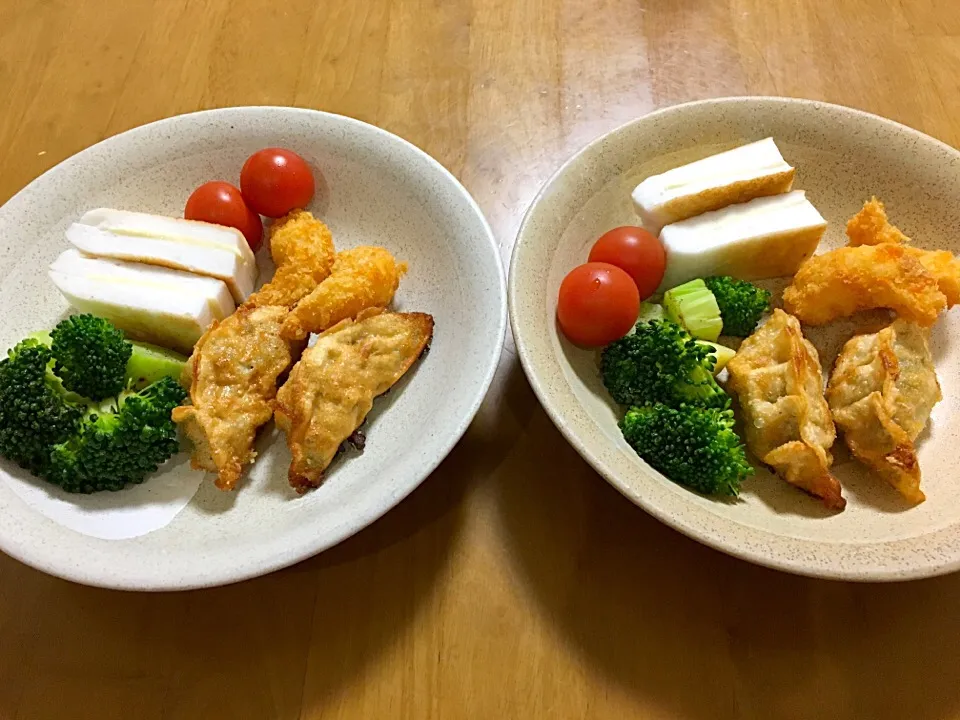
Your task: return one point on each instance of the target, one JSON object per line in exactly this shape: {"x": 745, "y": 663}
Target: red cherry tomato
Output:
{"x": 221, "y": 203}
{"x": 635, "y": 250}
{"x": 598, "y": 304}
{"x": 275, "y": 181}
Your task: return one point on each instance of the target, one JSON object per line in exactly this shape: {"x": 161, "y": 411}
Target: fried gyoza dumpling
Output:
{"x": 332, "y": 388}
{"x": 777, "y": 378}
{"x": 881, "y": 393}
{"x": 233, "y": 379}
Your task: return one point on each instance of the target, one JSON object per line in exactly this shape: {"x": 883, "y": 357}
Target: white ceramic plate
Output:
{"x": 378, "y": 189}
{"x": 842, "y": 157}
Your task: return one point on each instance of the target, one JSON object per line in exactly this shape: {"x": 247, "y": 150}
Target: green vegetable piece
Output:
{"x": 119, "y": 445}
{"x": 741, "y": 303}
{"x": 650, "y": 311}
{"x": 35, "y": 411}
{"x": 41, "y": 336}
{"x": 661, "y": 363}
{"x": 721, "y": 353}
{"x": 148, "y": 363}
{"x": 80, "y": 445}
{"x": 91, "y": 356}
{"x": 693, "y": 306}
{"x": 694, "y": 447}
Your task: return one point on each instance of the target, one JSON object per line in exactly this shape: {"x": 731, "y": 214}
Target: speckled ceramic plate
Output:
{"x": 378, "y": 189}
{"x": 842, "y": 157}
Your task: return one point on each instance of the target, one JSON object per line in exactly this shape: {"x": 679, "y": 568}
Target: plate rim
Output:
{"x": 220, "y": 576}
{"x": 677, "y": 521}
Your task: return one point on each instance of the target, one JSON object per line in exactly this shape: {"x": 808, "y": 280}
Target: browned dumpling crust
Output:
{"x": 332, "y": 388}
{"x": 882, "y": 391}
{"x": 777, "y": 378}
{"x": 233, "y": 380}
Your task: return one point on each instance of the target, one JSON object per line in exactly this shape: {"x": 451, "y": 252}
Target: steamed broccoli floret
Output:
{"x": 69, "y": 440}
{"x": 91, "y": 356}
{"x": 661, "y": 363}
{"x": 35, "y": 411}
{"x": 692, "y": 446}
{"x": 695, "y": 308}
{"x": 742, "y": 304}
{"x": 122, "y": 445}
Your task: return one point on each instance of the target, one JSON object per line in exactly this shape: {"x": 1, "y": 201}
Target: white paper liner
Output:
{"x": 128, "y": 513}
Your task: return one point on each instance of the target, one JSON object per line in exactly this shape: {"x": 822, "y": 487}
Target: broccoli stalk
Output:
{"x": 120, "y": 445}
{"x": 694, "y": 447}
{"x": 35, "y": 411}
{"x": 741, "y": 303}
{"x": 91, "y": 356}
{"x": 650, "y": 311}
{"x": 694, "y": 307}
{"x": 721, "y": 355}
{"x": 661, "y": 363}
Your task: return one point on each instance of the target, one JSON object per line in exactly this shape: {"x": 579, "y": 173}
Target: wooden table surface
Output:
{"x": 515, "y": 583}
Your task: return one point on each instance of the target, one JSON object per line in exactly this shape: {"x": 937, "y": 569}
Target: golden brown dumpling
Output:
{"x": 332, "y": 388}
{"x": 233, "y": 379}
{"x": 881, "y": 393}
{"x": 777, "y": 378}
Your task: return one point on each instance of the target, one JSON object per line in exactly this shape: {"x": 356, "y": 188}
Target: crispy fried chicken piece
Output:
{"x": 234, "y": 370}
{"x": 945, "y": 269}
{"x": 363, "y": 277}
{"x": 302, "y": 249}
{"x": 332, "y": 388}
{"x": 870, "y": 226}
{"x": 842, "y": 282}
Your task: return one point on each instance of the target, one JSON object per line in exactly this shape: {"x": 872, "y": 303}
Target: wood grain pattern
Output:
{"x": 514, "y": 583}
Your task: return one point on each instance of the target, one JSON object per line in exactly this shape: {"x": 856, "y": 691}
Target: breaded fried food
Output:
{"x": 233, "y": 381}
{"x": 332, "y": 388}
{"x": 945, "y": 269}
{"x": 842, "y": 282}
{"x": 363, "y": 277}
{"x": 881, "y": 393}
{"x": 778, "y": 381}
{"x": 302, "y": 249}
{"x": 870, "y": 226}
{"x": 236, "y": 363}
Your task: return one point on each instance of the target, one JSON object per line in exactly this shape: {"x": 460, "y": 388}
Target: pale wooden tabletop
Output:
{"x": 515, "y": 583}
